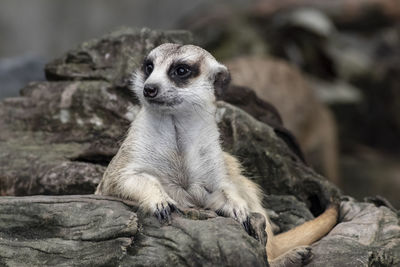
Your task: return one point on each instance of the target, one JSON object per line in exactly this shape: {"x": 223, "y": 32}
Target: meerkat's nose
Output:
{"x": 150, "y": 90}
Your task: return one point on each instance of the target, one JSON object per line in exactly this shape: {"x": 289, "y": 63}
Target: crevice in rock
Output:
{"x": 292, "y": 143}
{"x": 316, "y": 207}
{"x": 95, "y": 158}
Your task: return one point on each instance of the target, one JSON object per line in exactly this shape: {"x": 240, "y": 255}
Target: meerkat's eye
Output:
{"x": 148, "y": 68}
{"x": 182, "y": 71}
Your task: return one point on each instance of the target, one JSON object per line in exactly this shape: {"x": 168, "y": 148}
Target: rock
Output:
{"x": 59, "y": 129}
{"x": 224, "y": 31}
{"x": 369, "y": 173}
{"x": 379, "y": 111}
{"x": 373, "y": 119}
{"x": 309, "y": 19}
{"x": 247, "y": 100}
{"x": 94, "y": 231}
{"x": 352, "y": 54}
{"x": 283, "y": 86}
{"x": 286, "y": 212}
{"x": 112, "y": 58}
{"x": 347, "y": 14}
{"x": 366, "y": 236}
{"x": 335, "y": 92}
{"x": 295, "y": 36}
{"x": 86, "y": 109}
{"x": 61, "y": 231}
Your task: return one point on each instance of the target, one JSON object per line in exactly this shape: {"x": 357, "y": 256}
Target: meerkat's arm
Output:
{"x": 146, "y": 189}
{"x": 227, "y": 201}
{"x": 128, "y": 182}
{"x": 249, "y": 190}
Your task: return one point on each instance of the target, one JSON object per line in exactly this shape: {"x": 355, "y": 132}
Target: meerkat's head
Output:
{"x": 180, "y": 78}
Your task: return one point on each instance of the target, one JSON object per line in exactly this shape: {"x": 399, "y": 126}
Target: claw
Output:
{"x": 158, "y": 215}
{"x": 234, "y": 213}
{"x": 163, "y": 212}
{"x": 250, "y": 229}
{"x": 246, "y": 227}
{"x": 219, "y": 212}
{"x": 173, "y": 208}
{"x": 240, "y": 215}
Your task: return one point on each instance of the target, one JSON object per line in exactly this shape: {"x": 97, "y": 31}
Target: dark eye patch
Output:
{"x": 180, "y": 72}
{"x": 147, "y": 67}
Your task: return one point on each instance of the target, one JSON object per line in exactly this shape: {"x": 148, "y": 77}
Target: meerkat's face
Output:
{"x": 179, "y": 78}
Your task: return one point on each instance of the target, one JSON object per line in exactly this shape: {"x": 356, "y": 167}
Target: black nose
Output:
{"x": 150, "y": 90}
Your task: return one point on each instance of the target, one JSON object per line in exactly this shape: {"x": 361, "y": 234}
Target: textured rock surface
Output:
{"x": 366, "y": 236}
{"x": 111, "y": 58}
{"x": 61, "y": 231}
{"x": 98, "y": 231}
{"x": 58, "y": 136}
{"x": 93, "y": 230}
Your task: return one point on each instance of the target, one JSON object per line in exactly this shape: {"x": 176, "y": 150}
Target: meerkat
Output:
{"x": 172, "y": 156}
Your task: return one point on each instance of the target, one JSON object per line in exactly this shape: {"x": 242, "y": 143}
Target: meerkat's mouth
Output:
{"x": 165, "y": 102}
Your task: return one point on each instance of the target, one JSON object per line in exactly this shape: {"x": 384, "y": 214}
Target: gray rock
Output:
{"x": 336, "y": 92}
{"x": 101, "y": 231}
{"x": 366, "y": 236}
{"x": 112, "y": 58}
{"x": 308, "y": 19}
{"x": 370, "y": 174}
{"x": 64, "y": 231}
{"x": 286, "y": 212}
{"x": 93, "y": 230}
{"x": 58, "y": 130}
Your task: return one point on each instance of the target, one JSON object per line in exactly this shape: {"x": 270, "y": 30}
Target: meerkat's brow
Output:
{"x": 183, "y": 62}
{"x": 148, "y": 59}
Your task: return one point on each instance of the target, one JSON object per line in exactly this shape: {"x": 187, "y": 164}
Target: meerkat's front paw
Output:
{"x": 160, "y": 207}
{"x": 163, "y": 211}
{"x": 239, "y": 211}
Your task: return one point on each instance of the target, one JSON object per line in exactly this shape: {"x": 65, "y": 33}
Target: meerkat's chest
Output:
{"x": 185, "y": 162}
{"x": 174, "y": 156}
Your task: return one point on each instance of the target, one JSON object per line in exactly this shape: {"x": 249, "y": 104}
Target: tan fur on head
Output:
{"x": 172, "y": 153}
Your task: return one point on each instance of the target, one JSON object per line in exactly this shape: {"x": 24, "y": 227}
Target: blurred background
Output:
{"x": 330, "y": 67}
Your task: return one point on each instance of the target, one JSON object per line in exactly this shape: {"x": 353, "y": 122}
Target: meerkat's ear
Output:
{"x": 222, "y": 78}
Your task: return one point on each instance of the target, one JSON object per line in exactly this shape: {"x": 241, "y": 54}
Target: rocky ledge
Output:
{"x": 58, "y": 136}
